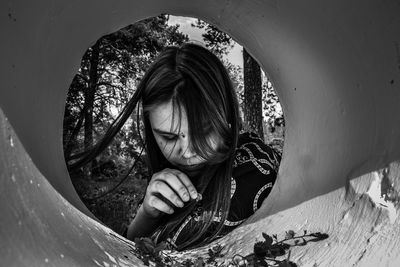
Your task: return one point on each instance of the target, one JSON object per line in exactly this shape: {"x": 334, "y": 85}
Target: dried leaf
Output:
{"x": 268, "y": 239}
{"x": 261, "y": 262}
{"x": 160, "y": 247}
{"x": 250, "y": 259}
{"x": 199, "y": 262}
{"x": 275, "y": 237}
{"x": 320, "y": 236}
{"x": 145, "y": 245}
{"x": 289, "y": 234}
{"x": 236, "y": 259}
{"x": 286, "y": 263}
{"x": 303, "y": 243}
{"x": 186, "y": 263}
{"x": 217, "y": 249}
{"x": 260, "y": 249}
{"x": 277, "y": 250}
{"x": 210, "y": 252}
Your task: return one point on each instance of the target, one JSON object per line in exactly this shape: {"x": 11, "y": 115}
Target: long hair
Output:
{"x": 194, "y": 79}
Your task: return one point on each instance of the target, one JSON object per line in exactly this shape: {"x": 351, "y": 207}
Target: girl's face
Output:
{"x": 171, "y": 133}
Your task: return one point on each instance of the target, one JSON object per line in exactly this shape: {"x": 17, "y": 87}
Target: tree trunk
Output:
{"x": 253, "y": 120}
{"x": 71, "y": 140}
{"x": 89, "y": 103}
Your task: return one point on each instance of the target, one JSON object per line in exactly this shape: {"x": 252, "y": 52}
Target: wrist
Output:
{"x": 147, "y": 215}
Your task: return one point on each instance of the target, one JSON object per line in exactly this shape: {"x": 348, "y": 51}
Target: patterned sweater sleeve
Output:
{"x": 255, "y": 169}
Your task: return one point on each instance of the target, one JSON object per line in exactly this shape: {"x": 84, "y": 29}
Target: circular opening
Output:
{"x": 113, "y": 183}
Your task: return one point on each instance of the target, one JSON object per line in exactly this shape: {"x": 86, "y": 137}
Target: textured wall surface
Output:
{"x": 336, "y": 68}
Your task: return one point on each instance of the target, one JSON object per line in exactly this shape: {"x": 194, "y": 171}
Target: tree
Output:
{"x": 217, "y": 41}
{"x": 109, "y": 72}
{"x": 252, "y": 94}
{"x": 220, "y": 43}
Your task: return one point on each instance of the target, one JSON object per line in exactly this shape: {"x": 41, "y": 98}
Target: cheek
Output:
{"x": 166, "y": 148}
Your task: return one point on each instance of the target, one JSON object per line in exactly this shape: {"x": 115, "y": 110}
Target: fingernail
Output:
{"x": 185, "y": 197}
{"x": 194, "y": 194}
{"x": 179, "y": 204}
{"x": 199, "y": 197}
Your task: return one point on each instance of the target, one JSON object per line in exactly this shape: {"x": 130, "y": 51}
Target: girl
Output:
{"x": 206, "y": 178}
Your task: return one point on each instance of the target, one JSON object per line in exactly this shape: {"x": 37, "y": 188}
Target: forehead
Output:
{"x": 166, "y": 117}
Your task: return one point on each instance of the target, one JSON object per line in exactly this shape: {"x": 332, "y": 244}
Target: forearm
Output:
{"x": 142, "y": 225}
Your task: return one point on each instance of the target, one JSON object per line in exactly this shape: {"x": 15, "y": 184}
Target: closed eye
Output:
{"x": 169, "y": 137}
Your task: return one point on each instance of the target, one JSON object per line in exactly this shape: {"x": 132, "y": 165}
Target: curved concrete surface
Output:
{"x": 336, "y": 68}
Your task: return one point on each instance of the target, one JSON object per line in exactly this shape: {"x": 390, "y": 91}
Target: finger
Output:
{"x": 186, "y": 182}
{"x": 160, "y": 205}
{"x": 174, "y": 181}
{"x": 165, "y": 191}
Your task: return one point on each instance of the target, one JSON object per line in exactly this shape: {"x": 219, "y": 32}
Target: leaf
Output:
{"x": 302, "y": 243}
{"x": 244, "y": 263}
{"x": 148, "y": 244}
{"x": 275, "y": 237}
{"x": 283, "y": 264}
{"x": 210, "y": 252}
{"x": 161, "y": 246}
{"x": 289, "y": 234}
{"x": 186, "y": 263}
{"x": 199, "y": 262}
{"x": 262, "y": 249}
{"x": 320, "y": 235}
{"x": 261, "y": 262}
{"x": 268, "y": 239}
{"x": 264, "y": 235}
{"x": 217, "y": 250}
{"x": 250, "y": 258}
{"x": 236, "y": 259}
{"x": 277, "y": 250}
{"x": 214, "y": 252}
{"x": 145, "y": 245}
{"x": 286, "y": 263}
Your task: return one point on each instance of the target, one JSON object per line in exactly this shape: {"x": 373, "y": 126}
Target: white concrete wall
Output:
{"x": 335, "y": 65}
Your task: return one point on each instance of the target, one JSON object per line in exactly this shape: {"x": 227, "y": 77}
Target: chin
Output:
{"x": 192, "y": 173}
{"x": 191, "y": 170}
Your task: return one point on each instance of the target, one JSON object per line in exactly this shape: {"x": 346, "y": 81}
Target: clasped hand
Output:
{"x": 168, "y": 189}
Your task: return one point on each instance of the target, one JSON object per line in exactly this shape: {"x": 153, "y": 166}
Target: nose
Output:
{"x": 186, "y": 149}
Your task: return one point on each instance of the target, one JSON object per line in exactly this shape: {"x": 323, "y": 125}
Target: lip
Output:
{"x": 193, "y": 167}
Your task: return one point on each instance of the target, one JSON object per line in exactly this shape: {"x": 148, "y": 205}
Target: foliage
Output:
{"x": 123, "y": 57}
{"x": 116, "y": 210}
{"x": 217, "y": 41}
{"x": 221, "y": 43}
{"x": 273, "y": 114}
{"x": 269, "y": 252}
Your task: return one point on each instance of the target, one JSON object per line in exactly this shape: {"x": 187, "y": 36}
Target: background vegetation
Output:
{"x": 109, "y": 72}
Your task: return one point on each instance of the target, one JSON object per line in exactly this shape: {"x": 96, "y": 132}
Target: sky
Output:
{"x": 235, "y": 56}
